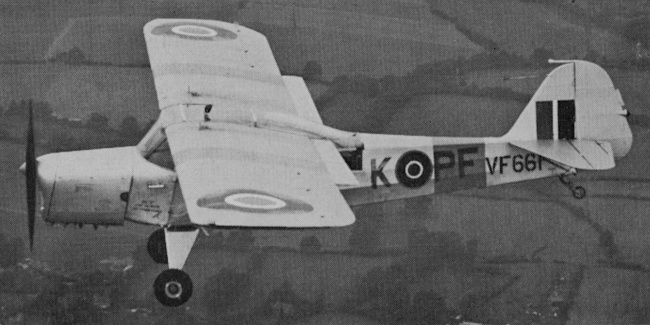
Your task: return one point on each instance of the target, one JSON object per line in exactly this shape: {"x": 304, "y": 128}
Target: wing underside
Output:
{"x": 239, "y": 176}
{"x": 232, "y": 173}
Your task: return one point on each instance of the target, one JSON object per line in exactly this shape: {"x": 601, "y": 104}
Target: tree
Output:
{"x": 540, "y": 56}
{"x": 429, "y": 308}
{"x": 42, "y": 110}
{"x": 129, "y": 127}
{"x": 13, "y": 109}
{"x": 312, "y": 71}
{"x": 241, "y": 239}
{"x": 241, "y": 4}
{"x": 61, "y": 141}
{"x": 638, "y": 30}
{"x": 386, "y": 292}
{"x": 310, "y": 244}
{"x": 365, "y": 237}
{"x": 147, "y": 126}
{"x": 97, "y": 122}
{"x": 592, "y": 56}
{"x": 73, "y": 56}
{"x": 224, "y": 290}
{"x": 14, "y": 251}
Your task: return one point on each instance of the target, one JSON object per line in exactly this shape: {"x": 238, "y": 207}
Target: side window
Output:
{"x": 354, "y": 158}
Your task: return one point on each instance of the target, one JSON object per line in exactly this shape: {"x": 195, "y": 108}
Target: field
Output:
{"x": 509, "y": 223}
{"x": 78, "y": 91}
{"x": 361, "y": 37}
{"x": 521, "y": 27}
{"x": 521, "y": 238}
{"x": 513, "y": 223}
{"x": 453, "y": 115}
{"x": 611, "y": 297}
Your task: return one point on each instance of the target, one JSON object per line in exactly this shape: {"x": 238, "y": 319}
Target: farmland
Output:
{"x": 498, "y": 255}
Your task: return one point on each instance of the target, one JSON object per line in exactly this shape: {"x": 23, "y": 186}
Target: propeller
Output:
{"x": 30, "y": 176}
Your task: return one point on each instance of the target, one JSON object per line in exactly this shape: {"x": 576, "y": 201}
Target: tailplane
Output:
{"x": 577, "y": 106}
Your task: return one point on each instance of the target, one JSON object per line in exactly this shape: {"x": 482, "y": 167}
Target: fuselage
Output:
{"x": 393, "y": 167}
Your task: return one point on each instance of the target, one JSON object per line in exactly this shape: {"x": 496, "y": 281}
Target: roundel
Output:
{"x": 413, "y": 169}
{"x": 194, "y": 30}
{"x": 191, "y": 30}
{"x": 253, "y": 201}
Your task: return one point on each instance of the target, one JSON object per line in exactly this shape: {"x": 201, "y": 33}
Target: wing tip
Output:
{"x": 231, "y": 27}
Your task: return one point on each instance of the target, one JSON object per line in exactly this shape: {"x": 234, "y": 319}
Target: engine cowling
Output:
{"x": 104, "y": 187}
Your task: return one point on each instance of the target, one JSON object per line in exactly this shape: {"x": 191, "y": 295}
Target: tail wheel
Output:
{"x": 579, "y": 192}
{"x": 173, "y": 287}
{"x": 156, "y": 246}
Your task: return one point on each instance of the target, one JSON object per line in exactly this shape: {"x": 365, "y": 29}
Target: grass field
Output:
{"x": 357, "y": 37}
{"x": 366, "y": 37}
{"x": 509, "y": 220}
{"x": 612, "y": 297}
{"x": 77, "y": 91}
{"x": 377, "y": 40}
{"x": 454, "y": 115}
{"x": 520, "y": 27}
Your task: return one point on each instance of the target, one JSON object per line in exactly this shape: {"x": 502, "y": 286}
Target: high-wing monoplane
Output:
{"x": 239, "y": 145}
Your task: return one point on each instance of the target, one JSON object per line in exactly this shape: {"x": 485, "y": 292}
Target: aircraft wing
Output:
{"x": 579, "y": 154}
{"x": 211, "y": 62}
{"x": 241, "y": 176}
{"x": 235, "y": 174}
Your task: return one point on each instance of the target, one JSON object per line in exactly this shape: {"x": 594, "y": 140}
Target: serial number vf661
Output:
{"x": 517, "y": 163}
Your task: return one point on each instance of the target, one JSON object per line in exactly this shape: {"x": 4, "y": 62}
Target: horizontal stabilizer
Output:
{"x": 579, "y": 154}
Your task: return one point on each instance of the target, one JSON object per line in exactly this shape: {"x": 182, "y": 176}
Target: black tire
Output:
{"x": 579, "y": 192}
{"x": 156, "y": 246}
{"x": 173, "y": 287}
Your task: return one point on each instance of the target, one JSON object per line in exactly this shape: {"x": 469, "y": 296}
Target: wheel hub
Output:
{"x": 173, "y": 289}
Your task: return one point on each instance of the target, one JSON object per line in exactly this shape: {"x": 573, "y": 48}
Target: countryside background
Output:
{"x": 516, "y": 254}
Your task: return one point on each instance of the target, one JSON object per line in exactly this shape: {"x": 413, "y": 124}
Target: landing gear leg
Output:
{"x": 577, "y": 191}
{"x": 156, "y": 246}
{"x": 173, "y": 287}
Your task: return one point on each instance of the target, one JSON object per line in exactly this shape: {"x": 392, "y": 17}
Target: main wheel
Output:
{"x": 579, "y": 192}
{"x": 173, "y": 287}
{"x": 156, "y": 246}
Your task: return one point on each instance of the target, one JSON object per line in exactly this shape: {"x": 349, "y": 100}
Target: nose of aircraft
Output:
{"x": 46, "y": 167}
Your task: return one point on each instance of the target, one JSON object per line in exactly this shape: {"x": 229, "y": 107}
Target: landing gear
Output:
{"x": 577, "y": 191}
{"x": 157, "y": 247}
{"x": 173, "y": 287}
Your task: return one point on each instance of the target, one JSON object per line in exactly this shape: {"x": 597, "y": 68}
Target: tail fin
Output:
{"x": 577, "y": 100}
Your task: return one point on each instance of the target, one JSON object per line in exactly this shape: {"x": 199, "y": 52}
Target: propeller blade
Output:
{"x": 30, "y": 176}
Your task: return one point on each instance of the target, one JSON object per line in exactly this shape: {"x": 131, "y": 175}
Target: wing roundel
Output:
{"x": 241, "y": 176}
